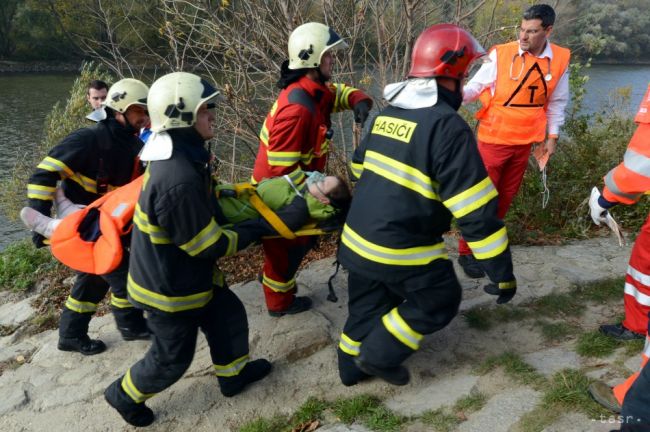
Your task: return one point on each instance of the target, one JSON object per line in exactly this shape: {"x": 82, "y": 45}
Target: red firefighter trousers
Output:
{"x": 506, "y": 165}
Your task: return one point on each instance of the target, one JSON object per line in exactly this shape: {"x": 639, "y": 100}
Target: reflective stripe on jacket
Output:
{"x": 417, "y": 168}
{"x": 294, "y": 137}
{"x": 628, "y": 181}
{"x": 89, "y": 162}
{"x": 516, "y": 113}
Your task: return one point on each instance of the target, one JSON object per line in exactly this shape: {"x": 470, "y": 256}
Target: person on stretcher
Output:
{"x": 327, "y": 199}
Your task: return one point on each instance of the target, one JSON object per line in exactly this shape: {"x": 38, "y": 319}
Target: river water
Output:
{"x": 26, "y": 99}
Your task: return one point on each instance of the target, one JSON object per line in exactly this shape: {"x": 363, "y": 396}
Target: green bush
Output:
{"x": 589, "y": 147}
{"x": 21, "y": 265}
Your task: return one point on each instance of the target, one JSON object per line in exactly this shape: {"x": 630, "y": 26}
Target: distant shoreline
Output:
{"x": 9, "y": 67}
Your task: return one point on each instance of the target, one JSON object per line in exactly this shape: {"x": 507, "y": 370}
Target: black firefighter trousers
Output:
{"x": 386, "y": 320}
{"x": 88, "y": 290}
{"x": 224, "y": 323}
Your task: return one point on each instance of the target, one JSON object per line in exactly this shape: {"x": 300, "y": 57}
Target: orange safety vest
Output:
{"x": 516, "y": 113}
{"x": 628, "y": 181}
{"x": 89, "y": 240}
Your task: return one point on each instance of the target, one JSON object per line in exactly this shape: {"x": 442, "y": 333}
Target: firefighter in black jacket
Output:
{"x": 90, "y": 162}
{"x": 176, "y": 240}
{"x": 418, "y": 167}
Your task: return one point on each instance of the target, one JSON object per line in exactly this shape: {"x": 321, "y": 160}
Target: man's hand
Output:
{"x": 361, "y": 110}
{"x": 598, "y": 213}
{"x": 550, "y": 145}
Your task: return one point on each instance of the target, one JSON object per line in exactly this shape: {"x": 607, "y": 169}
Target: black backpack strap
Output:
{"x": 103, "y": 136}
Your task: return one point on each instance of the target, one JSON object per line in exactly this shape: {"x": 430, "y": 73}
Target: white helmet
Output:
{"x": 308, "y": 43}
{"x": 126, "y": 92}
{"x": 175, "y": 98}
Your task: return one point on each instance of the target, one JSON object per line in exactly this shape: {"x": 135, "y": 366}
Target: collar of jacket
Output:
{"x": 189, "y": 142}
{"x": 117, "y": 130}
{"x": 452, "y": 98}
{"x": 315, "y": 89}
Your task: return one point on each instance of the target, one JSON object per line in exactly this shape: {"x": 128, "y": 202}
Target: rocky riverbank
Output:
{"x": 59, "y": 391}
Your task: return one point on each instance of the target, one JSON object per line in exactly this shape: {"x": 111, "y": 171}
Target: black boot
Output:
{"x": 253, "y": 371}
{"x": 349, "y": 373}
{"x": 619, "y": 332}
{"x": 131, "y": 334}
{"x": 300, "y": 304}
{"x": 396, "y": 375}
{"x": 470, "y": 266}
{"x": 82, "y": 344}
{"x": 136, "y": 414}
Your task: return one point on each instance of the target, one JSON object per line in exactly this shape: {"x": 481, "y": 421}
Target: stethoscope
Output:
{"x": 547, "y": 77}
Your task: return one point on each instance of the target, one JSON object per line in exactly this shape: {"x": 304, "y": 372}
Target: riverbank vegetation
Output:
{"x": 240, "y": 45}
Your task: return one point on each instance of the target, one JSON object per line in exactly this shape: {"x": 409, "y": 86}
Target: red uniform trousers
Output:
{"x": 506, "y": 165}
{"x": 637, "y": 283}
{"x": 282, "y": 258}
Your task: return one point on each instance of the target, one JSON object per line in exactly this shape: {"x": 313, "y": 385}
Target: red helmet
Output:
{"x": 444, "y": 50}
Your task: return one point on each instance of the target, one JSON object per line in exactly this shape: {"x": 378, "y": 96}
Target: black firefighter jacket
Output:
{"x": 417, "y": 168}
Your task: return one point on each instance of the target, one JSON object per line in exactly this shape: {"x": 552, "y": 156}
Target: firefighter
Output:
{"x": 176, "y": 241}
{"x": 626, "y": 184}
{"x": 90, "y": 162}
{"x": 417, "y": 168}
{"x": 295, "y": 138}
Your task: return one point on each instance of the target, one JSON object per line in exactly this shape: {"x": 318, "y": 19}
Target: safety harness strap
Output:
{"x": 265, "y": 211}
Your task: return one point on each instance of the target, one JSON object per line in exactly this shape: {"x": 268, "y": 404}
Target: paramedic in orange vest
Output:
{"x": 626, "y": 184}
{"x": 524, "y": 90}
{"x": 294, "y": 138}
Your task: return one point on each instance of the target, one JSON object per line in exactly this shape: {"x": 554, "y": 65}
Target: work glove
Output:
{"x": 505, "y": 290}
{"x": 597, "y": 211}
{"x": 38, "y": 240}
{"x": 361, "y": 110}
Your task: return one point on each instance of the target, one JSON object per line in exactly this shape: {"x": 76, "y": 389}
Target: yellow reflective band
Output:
{"x": 233, "y": 239}
{"x": 79, "y": 306}
{"x": 88, "y": 184}
{"x": 45, "y": 193}
{"x": 204, "y": 239}
{"x": 274, "y": 108}
{"x": 356, "y": 169}
{"x": 490, "y": 246}
{"x": 147, "y": 175}
{"x": 132, "y": 391}
{"x": 306, "y": 158}
{"x": 507, "y": 285}
{"x": 278, "y": 286}
{"x": 55, "y": 165}
{"x": 166, "y": 303}
{"x": 396, "y": 326}
{"x": 391, "y": 127}
{"x": 264, "y": 134}
{"x": 282, "y": 158}
{"x": 420, "y": 255}
{"x": 231, "y": 369}
{"x": 402, "y": 174}
{"x": 157, "y": 235}
{"x": 472, "y": 198}
{"x": 121, "y": 303}
{"x": 349, "y": 346}
{"x": 218, "y": 278}
{"x": 297, "y": 176}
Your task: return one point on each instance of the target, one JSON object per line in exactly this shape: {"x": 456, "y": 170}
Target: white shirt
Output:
{"x": 487, "y": 77}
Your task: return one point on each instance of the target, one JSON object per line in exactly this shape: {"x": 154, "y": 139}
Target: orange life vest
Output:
{"x": 90, "y": 240}
{"x": 516, "y": 113}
